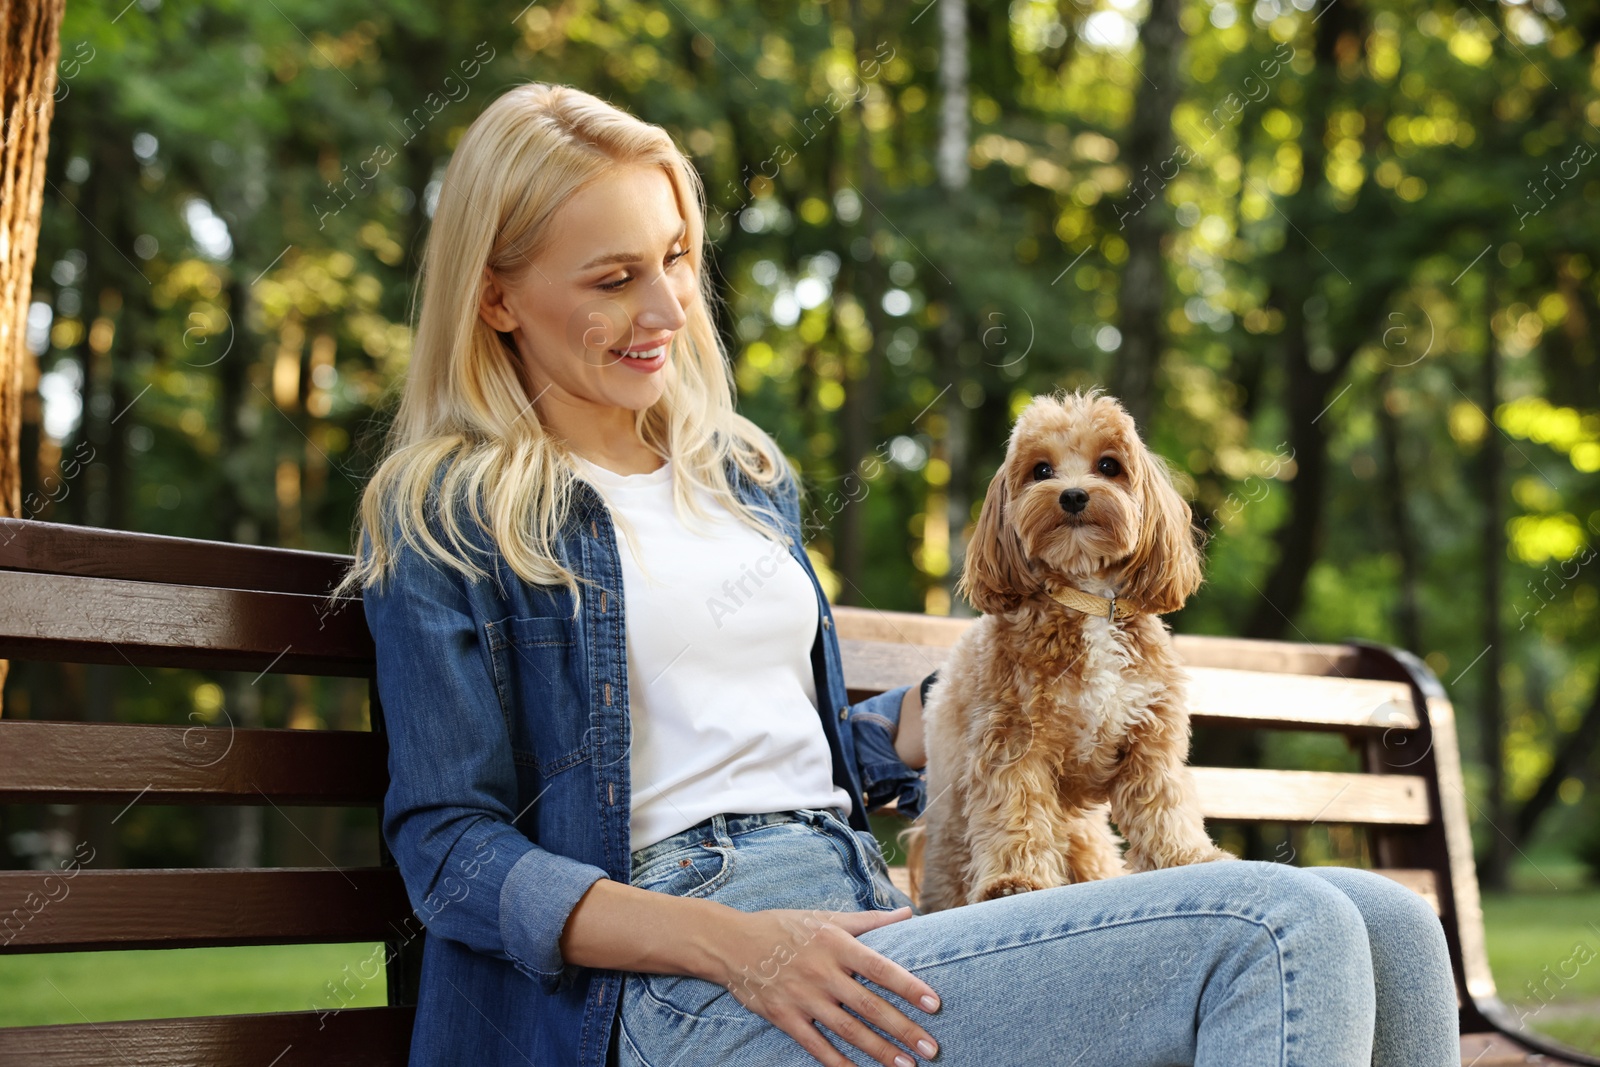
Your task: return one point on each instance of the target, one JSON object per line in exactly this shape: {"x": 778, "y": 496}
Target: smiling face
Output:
{"x": 594, "y": 314}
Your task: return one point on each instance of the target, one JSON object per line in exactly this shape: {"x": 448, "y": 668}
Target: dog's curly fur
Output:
{"x": 1045, "y": 720}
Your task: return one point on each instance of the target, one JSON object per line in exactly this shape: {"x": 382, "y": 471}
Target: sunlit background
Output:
{"x": 1338, "y": 258}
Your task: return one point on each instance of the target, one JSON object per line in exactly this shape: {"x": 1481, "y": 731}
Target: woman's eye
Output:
{"x": 612, "y": 287}
{"x": 1109, "y": 467}
{"x": 1041, "y": 471}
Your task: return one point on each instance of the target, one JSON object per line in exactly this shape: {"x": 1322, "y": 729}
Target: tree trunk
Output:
{"x": 1299, "y": 539}
{"x": 1495, "y": 869}
{"x": 1572, "y": 754}
{"x": 1295, "y": 280}
{"x": 858, "y": 370}
{"x": 28, "y": 56}
{"x": 954, "y": 172}
{"x": 1408, "y": 616}
{"x": 1149, "y": 145}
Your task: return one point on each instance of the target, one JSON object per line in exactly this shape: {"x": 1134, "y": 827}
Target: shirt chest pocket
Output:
{"x": 536, "y": 662}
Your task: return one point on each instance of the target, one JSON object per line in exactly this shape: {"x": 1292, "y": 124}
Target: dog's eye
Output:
{"x": 1109, "y": 467}
{"x": 1041, "y": 471}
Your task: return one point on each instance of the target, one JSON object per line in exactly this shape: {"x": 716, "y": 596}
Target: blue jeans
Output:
{"x": 1230, "y": 964}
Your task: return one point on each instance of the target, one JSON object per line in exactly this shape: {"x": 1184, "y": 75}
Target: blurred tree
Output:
{"x": 29, "y": 51}
{"x": 920, "y": 217}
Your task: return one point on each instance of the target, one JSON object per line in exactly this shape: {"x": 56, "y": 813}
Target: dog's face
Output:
{"x": 1080, "y": 497}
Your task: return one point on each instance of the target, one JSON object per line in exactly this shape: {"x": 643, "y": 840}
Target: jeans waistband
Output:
{"x": 719, "y": 829}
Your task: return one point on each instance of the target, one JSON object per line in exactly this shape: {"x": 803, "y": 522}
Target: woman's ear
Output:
{"x": 995, "y": 576}
{"x": 1166, "y": 565}
{"x": 492, "y": 304}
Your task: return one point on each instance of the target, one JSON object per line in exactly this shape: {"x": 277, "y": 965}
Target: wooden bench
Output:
{"x": 94, "y": 596}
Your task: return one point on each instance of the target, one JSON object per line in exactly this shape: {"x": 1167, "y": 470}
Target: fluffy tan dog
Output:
{"x": 1065, "y": 701}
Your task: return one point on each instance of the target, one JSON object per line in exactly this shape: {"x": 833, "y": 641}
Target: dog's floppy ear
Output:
{"x": 995, "y": 575}
{"x": 1165, "y": 567}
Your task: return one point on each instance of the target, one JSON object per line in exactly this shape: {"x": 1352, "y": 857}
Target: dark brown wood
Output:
{"x": 58, "y": 548}
{"x": 106, "y": 620}
{"x": 404, "y": 952}
{"x": 353, "y": 1037}
{"x": 71, "y": 762}
{"x": 86, "y": 909}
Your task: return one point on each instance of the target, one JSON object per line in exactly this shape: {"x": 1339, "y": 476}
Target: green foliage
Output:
{"x": 1373, "y": 196}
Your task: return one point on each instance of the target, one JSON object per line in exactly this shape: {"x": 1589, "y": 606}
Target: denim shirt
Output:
{"x": 508, "y": 730}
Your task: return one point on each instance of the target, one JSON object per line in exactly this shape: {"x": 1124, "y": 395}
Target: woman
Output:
{"x": 628, "y": 793}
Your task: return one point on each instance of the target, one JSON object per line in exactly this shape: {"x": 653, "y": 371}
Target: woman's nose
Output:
{"x": 662, "y": 310}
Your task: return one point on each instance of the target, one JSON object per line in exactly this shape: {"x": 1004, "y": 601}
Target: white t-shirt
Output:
{"x": 721, "y": 695}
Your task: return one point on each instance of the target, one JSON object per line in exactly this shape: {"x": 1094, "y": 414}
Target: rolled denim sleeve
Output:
{"x": 884, "y": 776}
{"x": 470, "y": 874}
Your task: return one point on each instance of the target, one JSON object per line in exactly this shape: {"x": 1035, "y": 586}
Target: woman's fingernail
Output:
{"x": 930, "y": 1002}
{"x": 904, "y": 1061}
{"x": 926, "y": 1047}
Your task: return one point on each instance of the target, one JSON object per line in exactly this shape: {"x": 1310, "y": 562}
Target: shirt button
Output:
{"x": 844, "y": 713}
{"x": 827, "y": 623}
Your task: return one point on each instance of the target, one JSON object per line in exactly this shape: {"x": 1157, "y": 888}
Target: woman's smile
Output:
{"x": 646, "y": 357}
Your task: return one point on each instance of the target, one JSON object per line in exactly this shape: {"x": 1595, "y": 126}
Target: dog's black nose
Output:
{"x": 1074, "y": 500}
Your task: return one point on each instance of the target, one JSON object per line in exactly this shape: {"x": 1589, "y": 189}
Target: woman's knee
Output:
{"x": 1297, "y": 905}
{"x": 1397, "y": 917}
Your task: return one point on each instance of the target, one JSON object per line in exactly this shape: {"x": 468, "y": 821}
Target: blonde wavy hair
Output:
{"x": 465, "y": 400}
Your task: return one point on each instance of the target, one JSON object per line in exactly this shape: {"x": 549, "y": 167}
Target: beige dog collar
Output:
{"x": 1108, "y": 608}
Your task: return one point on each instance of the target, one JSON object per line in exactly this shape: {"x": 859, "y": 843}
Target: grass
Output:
{"x": 73, "y": 987}
{"x": 1544, "y": 949}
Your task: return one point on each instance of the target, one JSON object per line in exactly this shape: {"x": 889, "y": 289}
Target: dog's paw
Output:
{"x": 1140, "y": 862}
{"x": 1005, "y": 887}
{"x": 1204, "y": 855}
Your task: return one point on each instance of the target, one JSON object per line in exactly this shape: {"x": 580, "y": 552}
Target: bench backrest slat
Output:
{"x": 1217, "y": 695}
{"x": 54, "y": 548}
{"x": 352, "y": 1037}
{"x": 66, "y": 762}
{"x": 111, "y": 620}
{"x": 1241, "y": 653}
{"x": 174, "y": 908}
{"x": 1253, "y": 795}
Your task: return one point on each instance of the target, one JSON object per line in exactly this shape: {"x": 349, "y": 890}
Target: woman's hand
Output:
{"x": 797, "y": 967}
